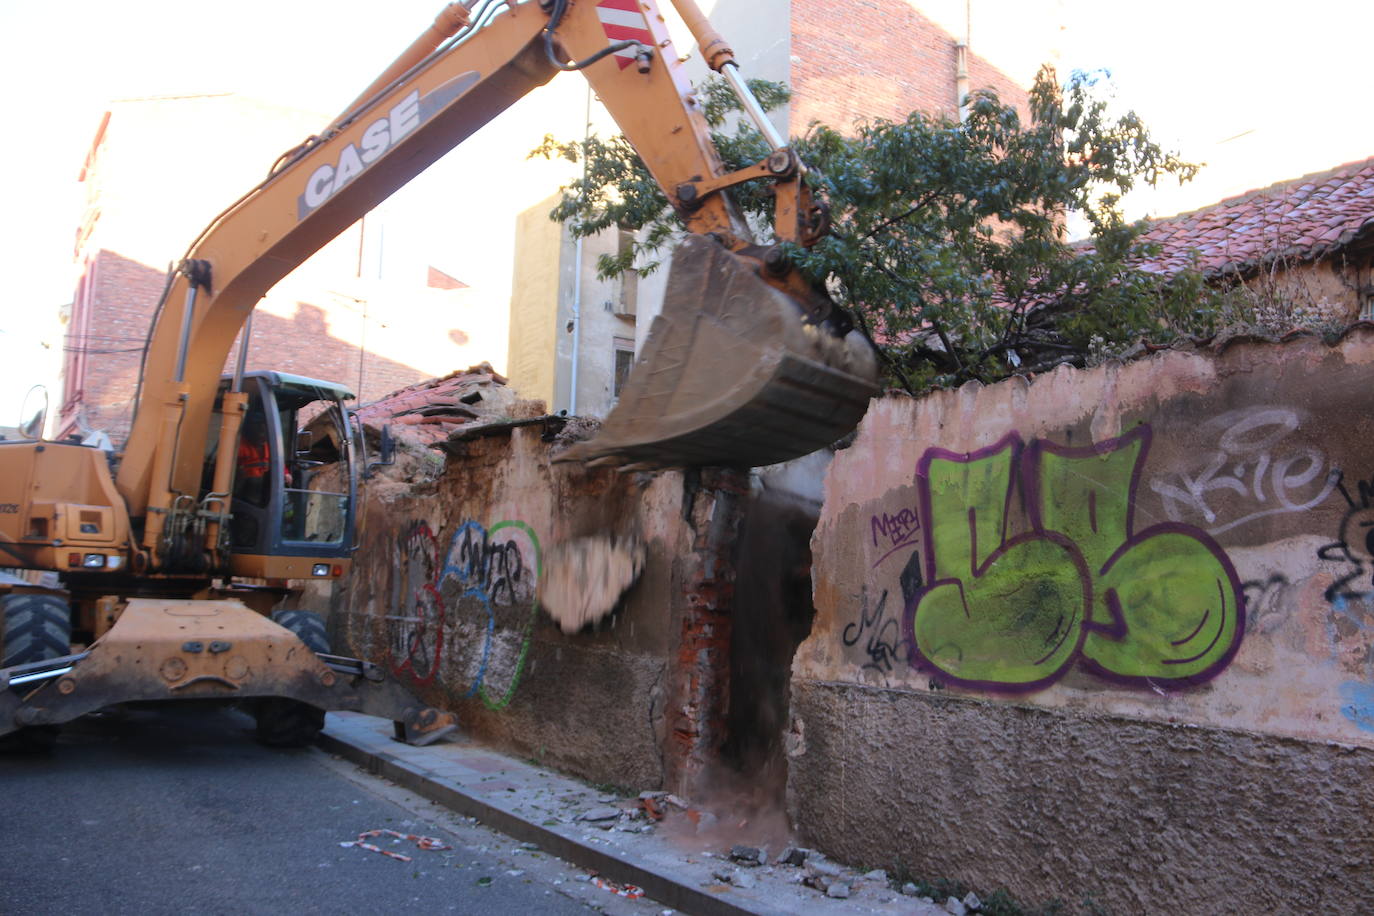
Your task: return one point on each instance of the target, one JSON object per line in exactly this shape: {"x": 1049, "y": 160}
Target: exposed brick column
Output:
{"x": 713, "y": 505}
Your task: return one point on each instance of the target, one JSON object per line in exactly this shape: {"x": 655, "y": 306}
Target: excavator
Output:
{"x": 161, "y": 548}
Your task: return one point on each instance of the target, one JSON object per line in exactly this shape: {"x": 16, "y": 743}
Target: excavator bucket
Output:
{"x": 732, "y": 375}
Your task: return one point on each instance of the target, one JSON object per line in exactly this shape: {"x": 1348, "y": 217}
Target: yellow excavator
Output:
{"x": 747, "y": 365}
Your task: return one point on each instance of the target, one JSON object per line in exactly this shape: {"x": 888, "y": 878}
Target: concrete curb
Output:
{"x": 364, "y": 751}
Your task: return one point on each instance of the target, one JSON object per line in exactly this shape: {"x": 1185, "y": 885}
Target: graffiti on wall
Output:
{"x": 447, "y": 605}
{"x": 1254, "y": 470}
{"x": 1351, "y": 596}
{"x": 1159, "y": 605}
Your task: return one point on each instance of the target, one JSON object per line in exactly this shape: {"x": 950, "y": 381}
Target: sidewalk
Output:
{"x": 611, "y": 836}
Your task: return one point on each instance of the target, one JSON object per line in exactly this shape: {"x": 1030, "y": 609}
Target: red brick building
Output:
{"x": 157, "y": 172}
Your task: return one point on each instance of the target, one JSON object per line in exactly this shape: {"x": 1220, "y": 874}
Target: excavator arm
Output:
{"x": 747, "y": 365}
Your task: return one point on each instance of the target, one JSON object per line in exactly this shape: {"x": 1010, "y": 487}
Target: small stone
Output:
{"x": 910, "y": 890}
{"x": 838, "y": 890}
{"x": 582, "y": 877}
{"x": 749, "y": 856}
{"x": 972, "y": 902}
{"x": 820, "y": 865}
{"x": 743, "y": 879}
{"x": 722, "y": 875}
{"x": 601, "y": 814}
{"x": 955, "y": 907}
{"x": 876, "y": 874}
{"x": 652, "y": 796}
{"x": 794, "y": 855}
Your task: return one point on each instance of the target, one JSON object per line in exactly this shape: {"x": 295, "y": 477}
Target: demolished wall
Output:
{"x": 1107, "y": 636}
{"x": 444, "y": 592}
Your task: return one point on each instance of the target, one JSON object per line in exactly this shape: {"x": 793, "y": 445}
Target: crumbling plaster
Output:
{"x": 1116, "y": 625}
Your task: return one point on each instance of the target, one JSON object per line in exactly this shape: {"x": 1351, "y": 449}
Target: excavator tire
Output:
{"x": 732, "y": 374}
{"x": 33, "y": 628}
{"x": 291, "y": 723}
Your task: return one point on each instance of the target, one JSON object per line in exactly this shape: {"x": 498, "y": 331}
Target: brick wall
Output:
{"x": 110, "y": 325}
{"x": 870, "y": 59}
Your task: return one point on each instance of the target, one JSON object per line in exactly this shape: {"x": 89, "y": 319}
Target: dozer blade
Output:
{"x": 171, "y": 649}
{"x": 732, "y": 375}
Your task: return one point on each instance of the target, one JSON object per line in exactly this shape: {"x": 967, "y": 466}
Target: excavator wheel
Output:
{"x": 732, "y": 374}
{"x": 33, "y": 628}
{"x": 291, "y": 723}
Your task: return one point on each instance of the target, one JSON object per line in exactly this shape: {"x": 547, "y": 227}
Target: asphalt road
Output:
{"x": 178, "y": 810}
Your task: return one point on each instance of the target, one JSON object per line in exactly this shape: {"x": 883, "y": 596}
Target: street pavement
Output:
{"x": 683, "y": 860}
{"x": 178, "y": 810}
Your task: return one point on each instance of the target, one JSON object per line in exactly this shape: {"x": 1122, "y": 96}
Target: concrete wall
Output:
{"x": 1107, "y": 635}
{"x": 444, "y": 592}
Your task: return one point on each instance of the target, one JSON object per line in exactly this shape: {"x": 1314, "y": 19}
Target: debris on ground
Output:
{"x": 631, "y": 891}
{"x": 421, "y": 842}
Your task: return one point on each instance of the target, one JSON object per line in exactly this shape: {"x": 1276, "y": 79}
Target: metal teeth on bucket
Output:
{"x": 732, "y": 375}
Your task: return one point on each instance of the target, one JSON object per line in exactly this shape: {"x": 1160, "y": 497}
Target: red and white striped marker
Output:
{"x": 621, "y": 20}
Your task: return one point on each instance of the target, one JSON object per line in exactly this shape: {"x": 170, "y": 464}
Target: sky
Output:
{"x": 1259, "y": 91}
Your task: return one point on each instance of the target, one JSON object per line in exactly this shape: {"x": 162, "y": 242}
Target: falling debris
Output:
{"x": 584, "y": 578}
{"x": 422, "y": 842}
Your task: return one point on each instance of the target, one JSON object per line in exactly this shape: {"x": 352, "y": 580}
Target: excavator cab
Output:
{"x": 292, "y": 500}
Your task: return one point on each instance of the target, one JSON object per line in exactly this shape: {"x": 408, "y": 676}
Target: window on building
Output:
{"x": 624, "y": 359}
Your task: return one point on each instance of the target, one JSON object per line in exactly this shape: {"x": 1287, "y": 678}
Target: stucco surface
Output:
{"x": 1107, "y": 632}
{"x": 1240, "y": 482}
{"x": 444, "y": 592}
{"x": 1138, "y": 817}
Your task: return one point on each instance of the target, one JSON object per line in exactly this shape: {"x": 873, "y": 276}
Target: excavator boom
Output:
{"x": 758, "y": 372}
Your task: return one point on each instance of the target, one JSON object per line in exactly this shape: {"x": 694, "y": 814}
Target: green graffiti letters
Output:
{"x": 1160, "y": 606}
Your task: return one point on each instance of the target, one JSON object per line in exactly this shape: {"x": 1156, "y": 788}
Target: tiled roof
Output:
{"x": 1299, "y": 220}
{"x": 427, "y": 413}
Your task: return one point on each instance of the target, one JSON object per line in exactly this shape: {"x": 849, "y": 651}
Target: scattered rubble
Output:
{"x": 749, "y": 856}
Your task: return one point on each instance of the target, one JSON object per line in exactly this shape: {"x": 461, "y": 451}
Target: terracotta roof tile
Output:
{"x": 427, "y": 412}
{"x": 1302, "y": 219}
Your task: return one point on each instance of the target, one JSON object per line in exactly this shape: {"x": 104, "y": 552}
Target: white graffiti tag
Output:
{"x": 1251, "y": 471}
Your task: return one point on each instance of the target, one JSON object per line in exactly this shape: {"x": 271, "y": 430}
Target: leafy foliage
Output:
{"x": 949, "y": 243}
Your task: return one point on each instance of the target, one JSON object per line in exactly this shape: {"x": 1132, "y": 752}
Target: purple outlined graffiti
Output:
{"x": 1161, "y": 606}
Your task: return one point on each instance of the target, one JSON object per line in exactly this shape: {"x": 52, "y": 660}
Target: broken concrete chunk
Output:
{"x": 583, "y": 579}
{"x": 605, "y": 813}
{"x": 794, "y": 855}
{"x": 955, "y": 907}
{"x": 877, "y": 875}
{"x": 910, "y": 890}
{"x": 743, "y": 879}
{"x": 820, "y": 865}
{"x": 653, "y": 796}
{"x": 675, "y": 801}
{"x": 972, "y": 902}
{"x": 749, "y": 856}
{"x": 838, "y": 890}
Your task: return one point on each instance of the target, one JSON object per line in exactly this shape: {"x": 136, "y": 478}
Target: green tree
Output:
{"x": 949, "y": 244}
